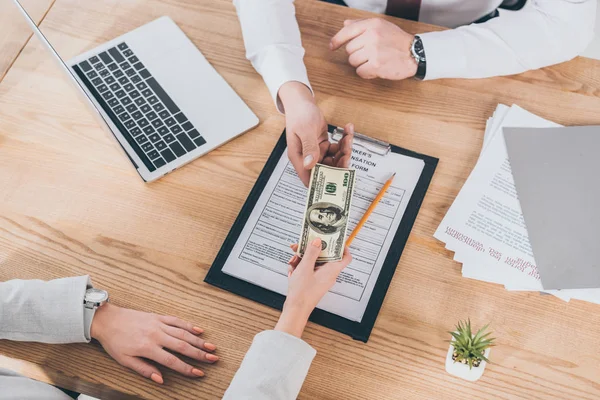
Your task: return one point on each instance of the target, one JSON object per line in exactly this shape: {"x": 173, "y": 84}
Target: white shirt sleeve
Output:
{"x": 274, "y": 368}
{"x": 273, "y": 43}
{"x": 545, "y": 32}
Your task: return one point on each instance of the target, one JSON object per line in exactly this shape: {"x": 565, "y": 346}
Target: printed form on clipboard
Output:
{"x": 262, "y": 250}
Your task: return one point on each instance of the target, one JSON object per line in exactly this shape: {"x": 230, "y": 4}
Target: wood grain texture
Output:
{"x": 72, "y": 204}
{"x": 14, "y": 31}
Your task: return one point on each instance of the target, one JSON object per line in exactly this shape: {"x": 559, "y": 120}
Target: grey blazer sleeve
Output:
{"x": 16, "y": 387}
{"x": 38, "y": 311}
{"x": 274, "y": 368}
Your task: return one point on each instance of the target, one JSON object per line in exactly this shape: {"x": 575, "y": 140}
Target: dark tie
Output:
{"x": 407, "y": 9}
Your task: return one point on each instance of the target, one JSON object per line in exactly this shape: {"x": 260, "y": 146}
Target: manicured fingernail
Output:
{"x": 198, "y": 330}
{"x": 210, "y": 346}
{"x": 330, "y": 45}
{"x": 291, "y": 259}
{"x": 316, "y": 242}
{"x": 308, "y": 160}
{"x": 197, "y": 372}
{"x": 157, "y": 378}
{"x": 212, "y": 357}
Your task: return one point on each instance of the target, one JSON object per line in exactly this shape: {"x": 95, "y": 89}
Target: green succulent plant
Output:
{"x": 469, "y": 349}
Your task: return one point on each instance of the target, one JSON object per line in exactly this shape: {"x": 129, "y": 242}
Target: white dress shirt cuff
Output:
{"x": 445, "y": 54}
{"x": 281, "y": 64}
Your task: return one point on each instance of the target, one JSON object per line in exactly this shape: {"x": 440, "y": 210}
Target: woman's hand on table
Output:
{"x": 134, "y": 337}
{"x": 306, "y": 132}
{"x": 307, "y": 285}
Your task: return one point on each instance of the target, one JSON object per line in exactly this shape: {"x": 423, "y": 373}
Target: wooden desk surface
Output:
{"x": 72, "y": 204}
{"x": 14, "y": 31}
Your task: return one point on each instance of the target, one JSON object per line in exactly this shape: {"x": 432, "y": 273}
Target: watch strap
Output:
{"x": 421, "y": 71}
{"x": 88, "y": 316}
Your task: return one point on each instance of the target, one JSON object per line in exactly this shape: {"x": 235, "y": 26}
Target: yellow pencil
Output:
{"x": 370, "y": 210}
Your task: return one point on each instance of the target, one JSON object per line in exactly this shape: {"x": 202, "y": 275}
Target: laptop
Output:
{"x": 157, "y": 95}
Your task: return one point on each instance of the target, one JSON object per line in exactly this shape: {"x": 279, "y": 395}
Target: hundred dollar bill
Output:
{"x": 327, "y": 209}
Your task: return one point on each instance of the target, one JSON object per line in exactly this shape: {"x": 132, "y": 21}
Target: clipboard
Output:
{"x": 357, "y": 330}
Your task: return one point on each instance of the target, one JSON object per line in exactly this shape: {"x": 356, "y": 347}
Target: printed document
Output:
{"x": 485, "y": 226}
{"x": 262, "y": 250}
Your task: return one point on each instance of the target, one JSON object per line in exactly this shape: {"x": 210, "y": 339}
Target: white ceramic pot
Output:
{"x": 462, "y": 370}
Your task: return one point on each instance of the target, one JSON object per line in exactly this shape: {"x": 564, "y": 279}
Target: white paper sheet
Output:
{"x": 494, "y": 125}
{"x": 485, "y": 226}
{"x": 262, "y": 251}
{"x": 481, "y": 222}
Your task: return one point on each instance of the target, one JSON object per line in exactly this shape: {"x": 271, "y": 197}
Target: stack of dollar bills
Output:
{"x": 327, "y": 208}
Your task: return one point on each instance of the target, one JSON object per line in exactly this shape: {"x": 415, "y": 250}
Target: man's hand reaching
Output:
{"x": 306, "y": 132}
{"x": 338, "y": 154}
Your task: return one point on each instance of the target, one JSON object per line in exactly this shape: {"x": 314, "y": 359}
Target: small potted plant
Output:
{"x": 468, "y": 354}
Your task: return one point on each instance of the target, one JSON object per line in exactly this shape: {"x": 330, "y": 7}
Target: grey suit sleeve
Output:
{"x": 16, "y": 387}
{"x": 274, "y": 368}
{"x": 38, "y": 311}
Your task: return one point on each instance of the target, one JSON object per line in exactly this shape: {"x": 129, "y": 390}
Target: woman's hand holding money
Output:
{"x": 307, "y": 285}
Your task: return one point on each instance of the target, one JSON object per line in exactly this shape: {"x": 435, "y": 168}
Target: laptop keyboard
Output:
{"x": 154, "y": 126}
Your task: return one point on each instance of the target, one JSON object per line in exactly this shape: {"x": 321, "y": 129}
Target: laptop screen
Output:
{"x": 149, "y": 84}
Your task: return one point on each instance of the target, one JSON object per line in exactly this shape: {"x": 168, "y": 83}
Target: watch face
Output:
{"x": 419, "y": 48}
{"x": 96, "y": 295}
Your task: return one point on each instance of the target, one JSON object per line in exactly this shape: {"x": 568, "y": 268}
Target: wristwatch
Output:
{"x": 418, "y": 52}
{"x": 93, "y": 299}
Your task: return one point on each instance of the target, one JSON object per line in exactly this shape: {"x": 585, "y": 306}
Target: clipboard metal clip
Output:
{"x": 368, "y": 143}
